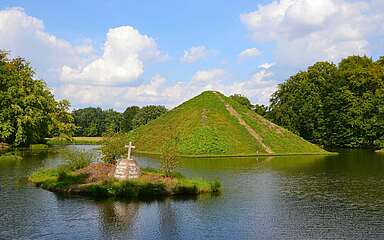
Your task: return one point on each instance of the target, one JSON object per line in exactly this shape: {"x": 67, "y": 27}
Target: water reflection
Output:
{"x": 117, "y": 216}
{"x": 292, "y": 197}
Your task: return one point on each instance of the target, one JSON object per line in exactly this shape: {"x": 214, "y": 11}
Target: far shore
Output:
{"x": 74, "y": 141}
{"x": 240, "y": 155}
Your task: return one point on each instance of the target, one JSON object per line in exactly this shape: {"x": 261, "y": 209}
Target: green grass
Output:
{"x": 10, "y": 156}
{"x": 62, "y": 180}
{"x": 55, "y": 178}
{"x": 38, "y": 146}
{"x": 277, "y": 138}
{"x": 206, "y": 128}
{"x": 75, "y": 141}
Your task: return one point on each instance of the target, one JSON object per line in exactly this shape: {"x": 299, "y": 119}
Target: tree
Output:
{"x": 128, "y": 116}
{"x": 89, "y": 121}
{"x": 111, "y": 121}
{"x": 148, "y": 113}
{"x": 62, "y": 120}
{"x": 261, "y": 109}
{"x": 339, "y": 106}
{"x": 28, "y": 110}
{"x": 168, "y": 162}
{"x": 243, "y": 100}
{"x": 113, "y": 147}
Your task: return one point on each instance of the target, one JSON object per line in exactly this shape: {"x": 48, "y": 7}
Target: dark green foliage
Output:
{"x": 147, "y": 114}
{"x": 112, "y": 121}
{"x": 93, "y": 122}
{"x": 90, "y": 122}
{"x": 334, "y": 106}
{"x": 128, "y": 116}
{"x": 28, "y": 110}
{"x": 261, "y": 109}
{"x": 243, "y": 100}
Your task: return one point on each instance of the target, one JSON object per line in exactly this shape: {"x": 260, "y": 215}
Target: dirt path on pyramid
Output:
{"x": 250, "y": 130}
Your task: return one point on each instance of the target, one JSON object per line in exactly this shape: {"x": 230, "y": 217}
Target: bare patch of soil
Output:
{"x": 267, "y": 123}
{"x": 250, "y": 130}
{"x": 97, "y": 172}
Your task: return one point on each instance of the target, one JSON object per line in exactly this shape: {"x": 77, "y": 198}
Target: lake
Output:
{"x": 295, "y": 197}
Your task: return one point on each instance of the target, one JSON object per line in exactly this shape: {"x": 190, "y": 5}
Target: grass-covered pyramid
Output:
{"x": 213, "y": 124}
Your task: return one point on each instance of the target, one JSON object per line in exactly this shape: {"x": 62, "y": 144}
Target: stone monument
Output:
{"x": 127, "y": 168}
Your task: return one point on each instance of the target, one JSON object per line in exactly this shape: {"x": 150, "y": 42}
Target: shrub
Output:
{"x": 113, "y": 147}
{"x": 215, "y": 186}
{"x": 168, "y": 162}
{"x": 76, "y": 159}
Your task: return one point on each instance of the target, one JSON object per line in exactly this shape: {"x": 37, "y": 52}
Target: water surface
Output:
{"x": 295, "y": 197}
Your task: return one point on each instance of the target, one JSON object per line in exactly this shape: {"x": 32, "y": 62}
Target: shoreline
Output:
{"x": 239, "y": 155}
{"x": 151, "y": 184}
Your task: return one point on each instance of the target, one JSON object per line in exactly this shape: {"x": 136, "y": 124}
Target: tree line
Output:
{"x": 93, "y": 121}
{"x": 332, "y": 105}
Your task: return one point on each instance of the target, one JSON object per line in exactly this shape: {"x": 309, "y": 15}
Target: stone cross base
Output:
{"x": 127, "y": 169}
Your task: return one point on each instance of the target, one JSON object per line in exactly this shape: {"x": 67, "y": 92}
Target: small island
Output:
{"x": 78, "y": 176}
{"x": 96, "y": 181}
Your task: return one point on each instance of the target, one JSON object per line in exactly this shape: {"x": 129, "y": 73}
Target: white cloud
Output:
{"x": 158, "y": 90}
{"x": 258, "y": 87}
{"x": 105, "y": 80}
{"x": 88, "y": 79}
{"x": 125, "y": 51}
{"x": 25, "y": 36}
{"x": 250, "y": 52}
{"x": 194, "y": 54}
{"x": 310, "y": 30}
{"x": 117, "y": 96}
{"x": 266, "y": 65}
{"x": 208, "y": 75}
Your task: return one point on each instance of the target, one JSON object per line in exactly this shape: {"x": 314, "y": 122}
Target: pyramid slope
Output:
{"x": 213, "y": 124}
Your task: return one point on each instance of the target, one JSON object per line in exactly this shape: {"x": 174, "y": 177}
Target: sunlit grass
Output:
{"x": 74, "y": 140}
{"x": 206, "y": 128}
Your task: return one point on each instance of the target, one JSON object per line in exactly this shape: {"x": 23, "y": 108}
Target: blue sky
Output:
{"x": 119, "y": 53}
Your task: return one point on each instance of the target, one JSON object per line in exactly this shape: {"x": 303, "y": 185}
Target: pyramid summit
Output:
{"x": 213, "y": 124}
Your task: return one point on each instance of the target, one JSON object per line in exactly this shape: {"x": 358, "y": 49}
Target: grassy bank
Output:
{"x": 75, "y": 141}
{"x": 151, "y": 184}
{"x": 10, "y": 156}
{"x": 240, "y": 155}
{"x": 38, "y": 146}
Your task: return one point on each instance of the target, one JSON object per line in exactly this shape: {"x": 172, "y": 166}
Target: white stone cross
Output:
{"x": 130, "y": 147}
